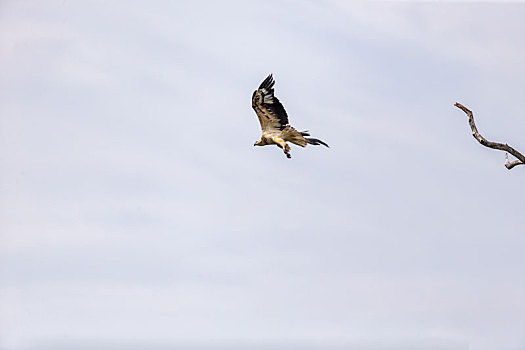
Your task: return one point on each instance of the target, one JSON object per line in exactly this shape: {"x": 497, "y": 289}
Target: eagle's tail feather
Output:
{"x": 315, "y": 142}
{"x": 298, "y": 137}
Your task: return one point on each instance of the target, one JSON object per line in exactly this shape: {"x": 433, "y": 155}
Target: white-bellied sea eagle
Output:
{"x": 274, "y": 121}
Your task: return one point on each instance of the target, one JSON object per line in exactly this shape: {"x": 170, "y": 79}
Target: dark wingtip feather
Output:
{"x": 267, "y": 83}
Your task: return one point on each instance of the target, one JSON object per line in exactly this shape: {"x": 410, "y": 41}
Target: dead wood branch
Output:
{"x": 496, "y": 145}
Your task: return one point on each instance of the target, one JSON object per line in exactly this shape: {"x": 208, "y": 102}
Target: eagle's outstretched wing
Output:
{"x": 268, "y": 108}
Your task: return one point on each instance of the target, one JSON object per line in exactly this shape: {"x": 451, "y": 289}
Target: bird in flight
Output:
{"x": 274, "y": 121}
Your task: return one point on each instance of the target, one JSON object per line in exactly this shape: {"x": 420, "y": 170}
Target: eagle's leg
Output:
{"x": 283, "y": 145}
{"x": 287, "y": 150}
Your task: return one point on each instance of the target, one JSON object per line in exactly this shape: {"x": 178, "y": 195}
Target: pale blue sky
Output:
{"x": 136, "y": 212}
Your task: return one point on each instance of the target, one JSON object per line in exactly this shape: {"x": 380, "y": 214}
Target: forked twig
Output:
{"x": 496, "y": 145}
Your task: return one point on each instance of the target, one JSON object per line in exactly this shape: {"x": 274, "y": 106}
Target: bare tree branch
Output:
{"x": 510, "y": 165}
{"x": 504, "y": 147}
